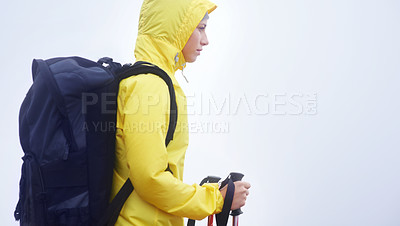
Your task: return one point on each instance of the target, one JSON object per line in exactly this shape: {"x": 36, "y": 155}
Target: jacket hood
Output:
{"x": 164, "y": 28}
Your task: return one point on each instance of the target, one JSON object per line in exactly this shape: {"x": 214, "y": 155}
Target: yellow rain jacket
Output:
{"x": 160, "y": 197}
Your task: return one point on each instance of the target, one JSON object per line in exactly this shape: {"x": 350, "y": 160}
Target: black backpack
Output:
{"x": 67, "y": 132}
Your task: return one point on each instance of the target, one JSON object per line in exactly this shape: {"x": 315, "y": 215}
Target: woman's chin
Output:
{"x": 190, "y": 59}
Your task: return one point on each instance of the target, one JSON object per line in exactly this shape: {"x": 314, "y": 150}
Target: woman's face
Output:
{"x": 195, "y": 44}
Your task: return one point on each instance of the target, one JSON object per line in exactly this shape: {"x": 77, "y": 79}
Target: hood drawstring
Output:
{"x": 185, "y": 77}
{"x": 176, "y": 61}
{"x": 176, "y": 58}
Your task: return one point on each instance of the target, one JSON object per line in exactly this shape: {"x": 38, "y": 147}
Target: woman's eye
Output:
{"x": 202, "y": 27}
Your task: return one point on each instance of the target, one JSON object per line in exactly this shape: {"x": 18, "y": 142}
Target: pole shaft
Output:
{"x": 235, "y": 221}
{"x": 211, "y": 220}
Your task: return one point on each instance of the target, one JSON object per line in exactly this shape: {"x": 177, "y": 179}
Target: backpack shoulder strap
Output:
{"x": 140, "y": 67}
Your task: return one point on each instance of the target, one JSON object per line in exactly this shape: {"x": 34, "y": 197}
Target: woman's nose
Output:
{"x": 204, "y": 40}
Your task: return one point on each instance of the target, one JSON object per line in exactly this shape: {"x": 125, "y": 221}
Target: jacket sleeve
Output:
{"x": 144, "y": 112}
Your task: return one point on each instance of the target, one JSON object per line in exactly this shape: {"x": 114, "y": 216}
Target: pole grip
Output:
{"x": 236, "y": 177}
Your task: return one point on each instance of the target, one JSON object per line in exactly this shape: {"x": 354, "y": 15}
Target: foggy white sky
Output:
{"x": 300, "y": 96}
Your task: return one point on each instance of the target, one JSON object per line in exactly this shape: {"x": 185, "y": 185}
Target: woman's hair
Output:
{"x": 205, "y": 17}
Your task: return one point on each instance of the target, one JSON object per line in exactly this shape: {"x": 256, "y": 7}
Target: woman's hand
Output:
{"x": 240, "y": 196}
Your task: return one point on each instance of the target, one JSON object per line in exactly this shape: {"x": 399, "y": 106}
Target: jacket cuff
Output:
{"x": 220, "y": 200}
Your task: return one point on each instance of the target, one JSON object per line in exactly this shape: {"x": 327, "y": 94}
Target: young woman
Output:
{"x": 171, "y": 33}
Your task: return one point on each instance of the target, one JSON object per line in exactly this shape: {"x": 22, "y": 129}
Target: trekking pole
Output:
{"x": 235, "y": 213}
{"x": 209, "y": 179}
{"x": 210, "y": 221}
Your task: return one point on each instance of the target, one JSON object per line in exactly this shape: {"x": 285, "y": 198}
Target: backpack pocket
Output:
{"x": 31, "y": 207}
{"x": 67, "y": 195}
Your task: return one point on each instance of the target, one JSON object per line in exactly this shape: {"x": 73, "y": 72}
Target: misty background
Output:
{"x": 301, "y": 96}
